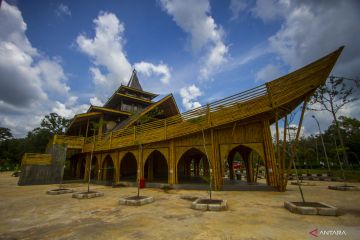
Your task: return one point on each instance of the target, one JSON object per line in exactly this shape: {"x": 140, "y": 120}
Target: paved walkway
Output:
{"x": 26, "y": 212}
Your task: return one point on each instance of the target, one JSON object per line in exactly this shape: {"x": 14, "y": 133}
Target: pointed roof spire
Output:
{"x": 134, "y": 81}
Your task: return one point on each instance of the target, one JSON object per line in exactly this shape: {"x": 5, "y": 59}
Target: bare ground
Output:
{"x": 26, "y": 212}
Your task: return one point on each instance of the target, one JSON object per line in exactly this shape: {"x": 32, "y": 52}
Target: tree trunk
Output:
{"x": 345, "y": 159}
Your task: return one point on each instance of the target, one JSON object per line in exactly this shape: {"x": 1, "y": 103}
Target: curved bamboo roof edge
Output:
{"x": 284, "y": 93}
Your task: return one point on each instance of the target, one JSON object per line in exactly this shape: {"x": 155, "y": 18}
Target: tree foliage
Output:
{"x": 12, "y": 149}
{"x": 332, "y": 97}
{"x": 311, "y": 154}
{"x": 54, "y": 123}
{"x": 5, "y": 134}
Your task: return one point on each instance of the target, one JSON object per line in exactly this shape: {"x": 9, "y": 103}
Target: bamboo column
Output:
{"x": 216, "y": 165}
{"x": 172, "y": 163}
{"x": 271, "y": 168}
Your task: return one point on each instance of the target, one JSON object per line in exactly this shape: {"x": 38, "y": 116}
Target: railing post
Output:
{"x": 134, "y": 133}
{"x": 54, "y": 139}
{"x": 165, "y": 129}
{"x": 269, "y": 92}
{"x": 110, "y": 141}
{"x": 208, "y": 114}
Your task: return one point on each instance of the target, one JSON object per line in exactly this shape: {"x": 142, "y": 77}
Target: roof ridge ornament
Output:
{"x": 134, "y": 81}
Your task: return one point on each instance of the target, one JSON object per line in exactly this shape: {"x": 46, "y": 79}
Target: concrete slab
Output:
{"x": 311, "y": 208}
{"x": 135, "y": 200}
{"x": 59, "y": 191}
{"x": 27, "y": 213}
{"x": 87, "y": 195}
{"x": 344, "y": 188}
{"x": 206, "y": 204}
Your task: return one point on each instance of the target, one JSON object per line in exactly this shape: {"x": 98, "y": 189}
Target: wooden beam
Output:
{"x": 296, "y": 140}
{"x": 133, "y": 98}
{"x": 283, "y": 158}
{"x": 87, "y": 128}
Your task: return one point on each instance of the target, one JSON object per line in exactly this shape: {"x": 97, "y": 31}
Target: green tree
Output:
{"x": 332, "y": 97}
{"x": 37, "y": 139}
{"x": 11, "y": 150}
{"x": 5, "y": 134}
{"x": 350, "y": 129}
{"x": 54, "y": 123}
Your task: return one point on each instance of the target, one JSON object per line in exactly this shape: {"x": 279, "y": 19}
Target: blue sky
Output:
{"x": 63, "y": 56}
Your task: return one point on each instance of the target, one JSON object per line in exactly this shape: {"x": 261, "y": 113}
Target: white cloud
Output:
{"x": 63, "y": 10}
{"x": 215, "y": 58}
{"x": 31, "y": 83}
{"x": 268, "y": 10}
{"x": 106, "y": 50}
{"x": 205, "y": 35}
{"x": 311, "y": 29}
{"x": 12, "y": 29}
{"x": 268, "y": 73}
{"x": 20, "y": 82}
{"x": 69, "y": 110}
{"x": 189, "y": 96}
{"x": 149, "y": 69}
{"x": 96, "y": 101}
{"x": 98, "y": 77}
{"x": 111, "y": 66}
{"x": 54, "y": 77}
{"x": 236, "y": 7}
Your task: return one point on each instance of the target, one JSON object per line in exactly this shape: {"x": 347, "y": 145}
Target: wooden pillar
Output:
{"x": 172, "y": 179}
{"x": 231, "y": 168}
{"x": 87, "y": 167}
{"x": 249, "y": 168}
{"x": 99, "y": 171}
{"x": 271, "y": 168}
{"x": 101, "y": 125}
{"x": 87, "y": 128}
{"x": 140, "y": 170}
{"x": 216, "y": 162}
{"x": 105, "y": 170}
{"x": 206, "y": 167}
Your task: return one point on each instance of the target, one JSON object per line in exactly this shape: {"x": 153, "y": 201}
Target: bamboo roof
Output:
{"x": 134, "y": 81}
{"x": 107, "y": 110}
{"x": 133, "y": 88}
{"x": 168, "y": 104}
{"x": 82, "y": 117}
{"x": 261, "y": 103}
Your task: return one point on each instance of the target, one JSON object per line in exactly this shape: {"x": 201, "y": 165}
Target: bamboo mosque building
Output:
{"x": 133, "y": 137}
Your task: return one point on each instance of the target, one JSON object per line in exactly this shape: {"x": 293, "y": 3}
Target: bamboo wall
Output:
{"x": 36, "y": 159}
{"x": 218, "y": 144}
{"x": 241, "y": 119}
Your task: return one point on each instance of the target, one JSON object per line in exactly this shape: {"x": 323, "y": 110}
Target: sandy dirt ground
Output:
{"x": 26, "y": 212}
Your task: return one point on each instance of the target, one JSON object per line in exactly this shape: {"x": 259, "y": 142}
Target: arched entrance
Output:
{"x": 108, "y": 170}
{"x": 80, "y": 169}
{"x": 128, "y": 168}
{"x": 244, "y": 163}
{"x": 156, "y": 168}
{"x": 94, "y": 170}
{"x": 73, "y": 166}
{"x": 193, "y": 167}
